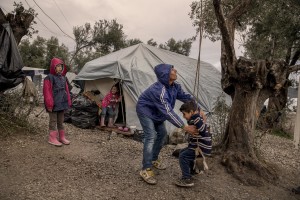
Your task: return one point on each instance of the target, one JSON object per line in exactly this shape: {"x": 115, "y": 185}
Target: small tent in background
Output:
{"x": 133, "y": 67}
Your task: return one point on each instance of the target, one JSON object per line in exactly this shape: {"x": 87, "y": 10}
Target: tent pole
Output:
{"x": 121, "y": 92}
{"x": 297, "y": 125}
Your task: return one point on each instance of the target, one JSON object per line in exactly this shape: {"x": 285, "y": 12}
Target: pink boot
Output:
{"x": 53, "y": 139}
{"x": 62, "y": 138}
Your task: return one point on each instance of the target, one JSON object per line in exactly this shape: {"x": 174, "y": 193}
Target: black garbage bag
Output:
{"x": 84, "y": 112}
{"x": 84, "y": 119}
{"x": 11, "y": 63}
{"x": 84, "y": 104}
{"x": 68, "y": 115}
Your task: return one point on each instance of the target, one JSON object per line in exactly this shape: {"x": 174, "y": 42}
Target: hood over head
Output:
{"x": 57, "y": 61}
{"x": 162, "y": 72}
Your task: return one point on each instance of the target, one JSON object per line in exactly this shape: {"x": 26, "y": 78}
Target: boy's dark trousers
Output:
{"x": 186, "y": 161}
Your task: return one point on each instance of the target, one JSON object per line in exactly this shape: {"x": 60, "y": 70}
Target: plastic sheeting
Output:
{"x": 10, "y": 60}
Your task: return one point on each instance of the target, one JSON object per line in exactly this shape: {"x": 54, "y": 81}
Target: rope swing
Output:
{"x": 197, "y": 78}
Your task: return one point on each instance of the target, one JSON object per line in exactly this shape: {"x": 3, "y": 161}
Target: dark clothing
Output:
{"x": 186, "y": 162}
{"x": 158, "y": 101}
{"x": 60, "y": 96}
{"x": 203, "y": 139}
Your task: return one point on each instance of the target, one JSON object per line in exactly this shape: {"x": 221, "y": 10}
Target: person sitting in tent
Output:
{"x": 57, "y": 99}
{"x": 109, "y": 106}
{"x": 155, "y": 105}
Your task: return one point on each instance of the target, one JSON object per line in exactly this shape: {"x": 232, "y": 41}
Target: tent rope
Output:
{"x": 197, "y": 78}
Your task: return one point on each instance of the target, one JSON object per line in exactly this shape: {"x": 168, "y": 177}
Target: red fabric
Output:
{"x": 110, "y": 99}
{"x": 48, "y": 96}
{"x": 68, "y": 94}
{"x": 54, "y": 62}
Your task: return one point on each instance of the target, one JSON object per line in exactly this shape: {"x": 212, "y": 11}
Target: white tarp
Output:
{"x": 134, "y": 66}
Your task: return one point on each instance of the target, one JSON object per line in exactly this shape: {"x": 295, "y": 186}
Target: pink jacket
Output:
{"x": 110, "y": 100}
{"x": 56, "y": 91}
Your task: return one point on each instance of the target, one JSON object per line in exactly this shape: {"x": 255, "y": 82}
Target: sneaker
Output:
{"x": 159, "y": 165}
{"x": 148, "y": 176}
{"x": 296, "y": 190}
{"x": 186, "y": 182}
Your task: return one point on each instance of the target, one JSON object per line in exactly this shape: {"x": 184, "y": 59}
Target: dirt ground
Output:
{"x": 99, "y": 165}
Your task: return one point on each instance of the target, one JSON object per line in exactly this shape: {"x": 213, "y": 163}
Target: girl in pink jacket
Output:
{"x": 109, "y": 106}
{"x": 57, "y": 100}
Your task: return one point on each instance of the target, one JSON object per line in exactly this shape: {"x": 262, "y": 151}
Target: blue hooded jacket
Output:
{"x": 158, "y": 101}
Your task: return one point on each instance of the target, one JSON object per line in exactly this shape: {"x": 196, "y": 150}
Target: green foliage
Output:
{"x": 275, "y": 32}
{"x": 281, "y": 133}
{"x": 33, "y": 55}
{"x": 269, "y": 30}
{"x": 134, "y": 41}
{"x": 40, "y": 52}
{"x": 181, "y": 47}
{"x": 98, "y": 40}
{"x": 152, "y": 42}
{"x": 104, "y": 37}
{"x": 203, "y": 12}
{"x": 53, "y": 49}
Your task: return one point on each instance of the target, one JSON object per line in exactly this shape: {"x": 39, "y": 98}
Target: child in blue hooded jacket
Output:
{"x": 155, "y": 105}
{"x": 57, "y": 99}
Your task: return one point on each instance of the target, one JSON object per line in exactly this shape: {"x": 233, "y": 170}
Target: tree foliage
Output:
{"x": 152, "y": 42}
{"x": 275, "y": 32}
{"x": 181, "y": 47}
{"x": 40, "y": 52}
{"x": 100, "y": 39}
{"x": 21, "y": 21}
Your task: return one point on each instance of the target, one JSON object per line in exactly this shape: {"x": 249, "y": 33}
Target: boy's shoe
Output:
{"x": 196, "y": 171}
{"x": 296, "y": 190}
{"x": 148, "y": 176}
{"x": 186, "y": 182}
{"x": 159, "y": 165}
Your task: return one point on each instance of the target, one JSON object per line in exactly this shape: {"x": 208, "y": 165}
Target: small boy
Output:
{"x": 202, "y": 140}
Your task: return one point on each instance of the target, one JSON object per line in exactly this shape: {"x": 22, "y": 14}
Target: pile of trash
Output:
{"x": 84, "y": 112}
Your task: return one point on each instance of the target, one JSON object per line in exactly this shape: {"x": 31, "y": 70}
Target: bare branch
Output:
{"x": 2, "y": 17}
{"x": 295, "y": 57}
{"x": 239, "y": 10}
{"x": 226, "y": 35}
{"x": 294, "y": 68}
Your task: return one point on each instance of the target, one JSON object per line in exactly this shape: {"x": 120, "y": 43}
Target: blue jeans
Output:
{"x": 154, "y": 137}
{"x": 186, "y": 161}
{"x": 111, "y": 112}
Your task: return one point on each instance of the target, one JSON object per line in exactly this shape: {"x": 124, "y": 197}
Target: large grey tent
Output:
{"x": 134, "y": 67}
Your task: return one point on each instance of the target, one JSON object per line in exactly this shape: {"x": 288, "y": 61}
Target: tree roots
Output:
{"x": 248, "y": 169}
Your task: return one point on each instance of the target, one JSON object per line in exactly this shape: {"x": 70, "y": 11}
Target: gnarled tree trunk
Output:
{"x": 249, "y": 83}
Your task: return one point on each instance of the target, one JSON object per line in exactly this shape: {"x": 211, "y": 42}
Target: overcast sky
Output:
{"x": 157, "y": 19}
